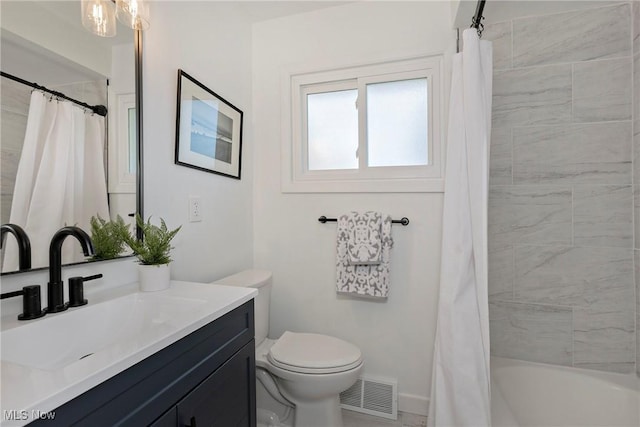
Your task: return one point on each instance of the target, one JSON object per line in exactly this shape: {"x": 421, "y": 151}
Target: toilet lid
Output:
{"x": 314, "y": 353}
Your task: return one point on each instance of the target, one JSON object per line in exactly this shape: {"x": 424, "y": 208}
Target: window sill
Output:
{"x": 428, "y": 185}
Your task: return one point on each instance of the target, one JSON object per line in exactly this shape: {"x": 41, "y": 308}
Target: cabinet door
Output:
{"x": 168, "y": 419}
{"x": 226, "y": 398}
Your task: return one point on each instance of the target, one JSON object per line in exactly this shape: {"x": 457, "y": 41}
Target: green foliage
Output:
{"x": 108, "y": 237}
{"x": 155, "y": 247}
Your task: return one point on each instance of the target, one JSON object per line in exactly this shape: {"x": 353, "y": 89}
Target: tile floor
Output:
{"x": 405, "y": 419}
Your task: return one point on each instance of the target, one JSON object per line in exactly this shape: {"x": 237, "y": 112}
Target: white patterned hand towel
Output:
{"x": 364, "y": 240}
{"x": 363, "y": 280}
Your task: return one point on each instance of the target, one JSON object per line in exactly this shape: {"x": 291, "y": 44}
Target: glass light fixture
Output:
{"x": 133, "y": 13}
{"x": 98, "y": 16}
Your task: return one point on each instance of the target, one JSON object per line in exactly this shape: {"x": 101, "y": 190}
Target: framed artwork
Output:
{"x": 208, "y": 129}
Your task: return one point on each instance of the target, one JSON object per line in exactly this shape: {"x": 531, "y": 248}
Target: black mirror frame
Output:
{"x": 140, "y": 150}
{"x": 137, "y": 46}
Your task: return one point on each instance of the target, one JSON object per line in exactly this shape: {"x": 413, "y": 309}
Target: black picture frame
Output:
{"x": 208, "y": 130}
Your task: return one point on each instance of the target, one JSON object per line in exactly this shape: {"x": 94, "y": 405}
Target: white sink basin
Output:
{"x": 48, "y": 361}
{"x": 59, "y": 340}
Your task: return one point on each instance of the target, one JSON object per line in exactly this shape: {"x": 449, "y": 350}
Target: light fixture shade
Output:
{"x": 133, "y": 13}
{"x": 99, "y": 17}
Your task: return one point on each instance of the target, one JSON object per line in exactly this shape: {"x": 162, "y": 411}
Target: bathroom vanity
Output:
{"x": 185, "y": 356}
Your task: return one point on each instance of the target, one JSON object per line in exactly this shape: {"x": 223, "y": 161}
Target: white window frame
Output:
{"x": 296, "y": 177}
{"x": 120, "y": 179}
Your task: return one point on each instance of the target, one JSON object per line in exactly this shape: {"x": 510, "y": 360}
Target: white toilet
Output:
{"x": 300, "y": 372}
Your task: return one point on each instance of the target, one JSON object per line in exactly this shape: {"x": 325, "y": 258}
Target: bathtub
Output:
{"x": 533, "y": 394}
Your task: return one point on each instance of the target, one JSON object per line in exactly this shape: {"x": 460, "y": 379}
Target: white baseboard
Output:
{"x": 413, "y": 404}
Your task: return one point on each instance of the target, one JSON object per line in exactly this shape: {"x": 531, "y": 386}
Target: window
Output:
{"x": 131, "y": 138}
{"x": 122, "y": 143}
{"x": 373, "y": 128}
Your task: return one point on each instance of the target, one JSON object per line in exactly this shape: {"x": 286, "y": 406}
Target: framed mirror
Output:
{"x": 88, "y": 166}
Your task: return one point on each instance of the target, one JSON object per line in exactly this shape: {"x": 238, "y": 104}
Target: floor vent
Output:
{"x": 372, "y": 396}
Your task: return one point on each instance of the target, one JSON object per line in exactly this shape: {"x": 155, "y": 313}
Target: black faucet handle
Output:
{"x": 76, "y": 289}
{"x": 31, "y": 303}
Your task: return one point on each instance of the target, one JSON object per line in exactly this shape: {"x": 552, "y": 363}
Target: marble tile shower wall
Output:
{"x": 14, "y": 109}
{"x": 561, "y": 203}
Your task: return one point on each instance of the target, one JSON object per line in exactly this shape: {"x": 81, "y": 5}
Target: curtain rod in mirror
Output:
{"x": 100, "y": 110}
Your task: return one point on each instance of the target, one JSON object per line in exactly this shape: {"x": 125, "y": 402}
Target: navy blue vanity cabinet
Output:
{"x": 206, "y": 379}
{"x": 223, "y": 399}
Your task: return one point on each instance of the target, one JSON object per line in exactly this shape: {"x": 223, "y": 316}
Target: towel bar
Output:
{"x": 404, "y": 221}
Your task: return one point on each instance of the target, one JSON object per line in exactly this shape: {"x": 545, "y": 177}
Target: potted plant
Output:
{"x": 108, "y": 237}
{"x": 153, "y": 252}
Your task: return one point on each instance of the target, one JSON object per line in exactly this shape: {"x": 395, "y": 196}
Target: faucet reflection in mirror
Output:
{"x": 24, "y": 244}
{"x": 60, "y": 178}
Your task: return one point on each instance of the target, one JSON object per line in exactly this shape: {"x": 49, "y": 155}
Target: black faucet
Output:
{"x": 24, "y": 244}
{"x": 55, "y": 294}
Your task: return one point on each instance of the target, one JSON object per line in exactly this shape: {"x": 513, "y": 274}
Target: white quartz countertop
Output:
{"x": 118, "y": 331}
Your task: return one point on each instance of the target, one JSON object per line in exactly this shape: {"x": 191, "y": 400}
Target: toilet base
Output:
{"x": 314, "y": 399}
{"x": 319, "y": 413}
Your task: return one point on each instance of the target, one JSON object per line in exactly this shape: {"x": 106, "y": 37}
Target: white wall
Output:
{"x": 395, "y": 336}
{"x": 211, "y": 42}
{"x": 122, "y": 78}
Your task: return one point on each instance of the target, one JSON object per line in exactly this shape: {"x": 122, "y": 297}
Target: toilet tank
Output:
{"x": 260, "y": 279}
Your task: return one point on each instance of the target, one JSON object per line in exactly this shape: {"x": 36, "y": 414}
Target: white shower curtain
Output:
{"x": 61, "y": 176}
{"x": 460, "y": 388}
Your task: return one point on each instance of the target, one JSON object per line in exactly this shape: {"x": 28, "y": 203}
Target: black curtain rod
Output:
{"x": 100, "y": 110}
{"x": 476, "y": 21}
{"x": 404, "y": 221}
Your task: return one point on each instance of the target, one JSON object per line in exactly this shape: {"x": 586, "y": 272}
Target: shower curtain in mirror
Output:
{"x": 460, "y": 387}
{"x": 60, "y": 179}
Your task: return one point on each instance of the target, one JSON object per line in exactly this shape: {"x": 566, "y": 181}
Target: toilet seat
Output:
{"x": 313, "y": 354}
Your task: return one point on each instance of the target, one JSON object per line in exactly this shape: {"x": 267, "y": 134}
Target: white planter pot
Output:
{"x": 154, "y": 277}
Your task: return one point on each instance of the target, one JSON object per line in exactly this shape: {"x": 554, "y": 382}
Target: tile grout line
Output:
{"x": 572, "y": 11}
{"x": 559, "y": 64}
{"x": 633, "y": 184}
{"x": 573, "y": 336}
{"x": 568, "y": 185}
{"x": 513, "y": 248}
{"x": 573, "y": 217}
{"x": 573, "y": 91}
{"x": 512, "y": 156}
{"x": 565, "y": 307}
{"x": 569, "y": 123}
{"x": 512, "y": 44}
{"x": 570, "y": 246}
{"x": 513, "y": 275}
